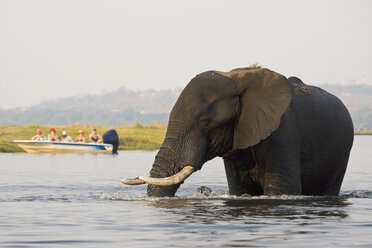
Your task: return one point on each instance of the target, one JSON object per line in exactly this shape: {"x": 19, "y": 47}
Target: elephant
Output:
{"x": 276, "y": 135}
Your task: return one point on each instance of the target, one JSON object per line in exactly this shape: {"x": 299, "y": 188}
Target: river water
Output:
{"x": 72, "y": 200}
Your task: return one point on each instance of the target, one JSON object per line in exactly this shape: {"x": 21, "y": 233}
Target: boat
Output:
{"x": 34, "y": 146}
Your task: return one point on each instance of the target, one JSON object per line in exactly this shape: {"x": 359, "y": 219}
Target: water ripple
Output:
{"x": 357, "y": 194}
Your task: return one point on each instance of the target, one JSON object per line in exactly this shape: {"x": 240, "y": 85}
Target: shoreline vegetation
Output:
{"x": 135, "y": 137}
{"x": 363, "y": 132}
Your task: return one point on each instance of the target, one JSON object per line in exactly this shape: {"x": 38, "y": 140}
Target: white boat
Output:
{"x": 33, "y": 146}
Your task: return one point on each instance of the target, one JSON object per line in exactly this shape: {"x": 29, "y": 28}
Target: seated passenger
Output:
{"x": 38, "y": 136}
{"x": 64, "y": 137}
{"x": 52, "y": 136}
{"x": 81, "y": 137}
{"x": 95, "y": 137}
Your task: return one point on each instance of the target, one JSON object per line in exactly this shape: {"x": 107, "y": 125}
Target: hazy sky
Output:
{"x": 51, "y": 49}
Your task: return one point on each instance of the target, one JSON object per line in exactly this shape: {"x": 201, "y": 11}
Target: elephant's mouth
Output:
{"x": 165, "y": 181}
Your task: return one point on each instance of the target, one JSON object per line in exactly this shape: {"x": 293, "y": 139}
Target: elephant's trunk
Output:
{"x": 165, "y": 176}
{"x": 167, "y": 173}
{"x": 179, "y": 156}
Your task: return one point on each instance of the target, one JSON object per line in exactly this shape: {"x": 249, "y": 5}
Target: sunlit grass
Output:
{"x": 363, "y": 132}
{"x": 138, "y": 137}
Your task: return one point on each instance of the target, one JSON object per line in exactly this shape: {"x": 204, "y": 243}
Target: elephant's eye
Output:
{"x": 204, "y": 122}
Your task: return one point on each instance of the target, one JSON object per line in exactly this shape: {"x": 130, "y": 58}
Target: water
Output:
{"x": 71, "y": 200}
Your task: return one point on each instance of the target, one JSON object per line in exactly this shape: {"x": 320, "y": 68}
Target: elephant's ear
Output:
{"x": 264, "y": 97}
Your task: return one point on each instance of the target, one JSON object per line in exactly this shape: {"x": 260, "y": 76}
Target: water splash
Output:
{"x": 357, "y": 194}
{"x": 198, "y": 196}
{"x": 210, "y": 194}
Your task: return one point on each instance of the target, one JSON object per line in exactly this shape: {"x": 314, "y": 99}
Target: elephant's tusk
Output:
{"x": 133, "y": 181}
{"x": 167, "y": 181}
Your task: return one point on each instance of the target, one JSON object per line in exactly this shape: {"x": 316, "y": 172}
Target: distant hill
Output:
{"x": 354, "y": 96}
{"x": 358, "y": 99}
{"x": 119, "y": 107}
{"x": 125, "y": 106}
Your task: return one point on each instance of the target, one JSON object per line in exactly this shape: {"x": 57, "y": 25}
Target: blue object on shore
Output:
{"x": 112, "y": 137}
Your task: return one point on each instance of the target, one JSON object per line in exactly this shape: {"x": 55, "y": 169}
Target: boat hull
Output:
{"x": 32, "y": 146}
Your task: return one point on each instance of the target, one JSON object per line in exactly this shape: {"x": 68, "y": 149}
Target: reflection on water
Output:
{"x": 256, "y": 221}
{"x": 249, "y": 210}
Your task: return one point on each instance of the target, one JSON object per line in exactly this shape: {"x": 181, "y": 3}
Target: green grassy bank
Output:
{"x": 136, "y": 137}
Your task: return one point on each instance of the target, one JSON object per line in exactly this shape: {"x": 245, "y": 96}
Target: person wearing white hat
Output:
{"x": 64, "y": 137}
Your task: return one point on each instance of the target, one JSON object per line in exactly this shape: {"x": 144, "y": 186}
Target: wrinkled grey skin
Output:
{"x": 307, "y": 154}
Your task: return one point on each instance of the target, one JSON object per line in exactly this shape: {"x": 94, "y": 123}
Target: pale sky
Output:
{"x": 52, "y": 49}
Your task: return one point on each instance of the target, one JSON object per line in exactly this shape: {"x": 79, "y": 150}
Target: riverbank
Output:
{"x": 136, "y": 137}
{"x": 363, "y": 132}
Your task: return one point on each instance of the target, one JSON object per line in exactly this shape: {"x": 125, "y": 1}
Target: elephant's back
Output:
{"x": 320, "y": 111}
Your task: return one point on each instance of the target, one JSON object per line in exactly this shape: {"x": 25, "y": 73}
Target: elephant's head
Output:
{"x": 215, "y": 114}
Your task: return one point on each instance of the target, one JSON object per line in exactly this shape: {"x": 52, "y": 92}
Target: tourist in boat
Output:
{"x": 80, "y": 138}
{"x": 64, "y": 137}
{"x": 95, "y": 137}
{"x": 52, "y": 136}
{"x": 39, "y": 135}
